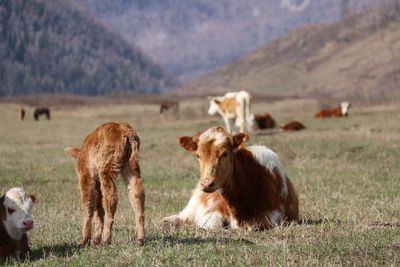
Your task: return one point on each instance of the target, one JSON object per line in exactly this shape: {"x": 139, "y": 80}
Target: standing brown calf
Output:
{"x": 110, "y": 149}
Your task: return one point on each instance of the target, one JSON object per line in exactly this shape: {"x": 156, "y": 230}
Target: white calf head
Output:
{"x": 213, "y": 109}
{"x": 15, "y": 212}
{"x": 345, "y": 108}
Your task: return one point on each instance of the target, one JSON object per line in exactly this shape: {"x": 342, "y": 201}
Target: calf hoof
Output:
{"x": 106, "y": 241}
{"x": 96, "y": 241}
{"x": 84, "y": 242}
{"x": 140, "y": 241}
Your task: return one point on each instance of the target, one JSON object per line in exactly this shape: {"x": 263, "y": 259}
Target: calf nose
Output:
{"x": 28, "y": 224}
{"x": 206, "y": 184}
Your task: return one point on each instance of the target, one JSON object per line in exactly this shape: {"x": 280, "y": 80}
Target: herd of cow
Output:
{"x": 240, "y": 186}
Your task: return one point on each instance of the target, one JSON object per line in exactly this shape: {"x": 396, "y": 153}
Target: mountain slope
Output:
{"x": 53, "y": 46}
{"x": 191, "y": 37}
{"x": 356, "y": 59}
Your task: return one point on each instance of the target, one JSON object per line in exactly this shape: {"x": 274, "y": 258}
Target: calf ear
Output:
{"x": 188, "y": 143}
{"x": 33, "y": 197}
{"x": 239, "y": 140}
{"x": 72, "y": 151}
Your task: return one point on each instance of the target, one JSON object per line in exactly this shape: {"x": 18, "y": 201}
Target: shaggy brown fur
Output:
{"x": 110, "y": 149}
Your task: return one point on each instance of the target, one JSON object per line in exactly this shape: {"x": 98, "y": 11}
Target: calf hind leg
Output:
{"x": 99, "y": 216}
{"x": 136, "y": 195}
{"x": 109, "y": 201}
{"x": 88, "y": 204}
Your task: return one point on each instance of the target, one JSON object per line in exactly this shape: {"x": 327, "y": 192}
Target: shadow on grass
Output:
{"x": 311, "y": 221}
{"x": 60, "y": 250}
{"x": 173, "y": 240}
{"x": 267, "y": 132}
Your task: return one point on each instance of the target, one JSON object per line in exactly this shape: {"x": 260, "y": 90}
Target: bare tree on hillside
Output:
{"x": 345, "y": 9}
{"x": 389, "y": 10}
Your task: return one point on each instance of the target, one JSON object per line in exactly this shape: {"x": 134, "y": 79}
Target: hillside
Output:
{"x": 191, "y": 37}
{"x": 354, "y": 59}
{"x": 54, "y": 46}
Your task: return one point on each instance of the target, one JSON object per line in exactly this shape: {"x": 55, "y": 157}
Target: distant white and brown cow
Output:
{"x": 239, "y": 187}
{"x": 264, "y": 121}
{"x": 110, "y": 149}
{"x": 293, "y": 126}
{"x": 15, "y": 221}
{"x": 339, "y": 111}
{"x": 233, "y": 106}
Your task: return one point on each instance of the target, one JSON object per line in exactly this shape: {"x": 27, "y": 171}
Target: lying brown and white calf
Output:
{"x": 239, "y": 187}
{"x": 110, "y": 149}
{"x": 15, "y": 220}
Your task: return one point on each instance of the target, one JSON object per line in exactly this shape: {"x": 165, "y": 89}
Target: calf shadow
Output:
{"x": 64, "y": 250}
{"x": 173, "y": 240}
{"x": 312, "y": 221}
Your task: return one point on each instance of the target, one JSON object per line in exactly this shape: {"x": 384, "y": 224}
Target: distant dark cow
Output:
{"x": 264, "y": 121}
{"x": 22, "y": 113}
{"x": 339, "y": 111}
{"x": 40, "y": 111}
{"x": 169, "y": 105}
{"x": 293, "y": 126}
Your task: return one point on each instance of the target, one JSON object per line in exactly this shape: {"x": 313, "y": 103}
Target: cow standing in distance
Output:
{"x": 22, "y": 113}
{"x": 169, "y": 106}
{"x": 239, "y": 187}
{"x": 41, "y": 111}
{"x": 233, "y": 106}
{"x": 15, "y": 221}
{"x": 110, "y": 149}
{"x": 339, "y": 111}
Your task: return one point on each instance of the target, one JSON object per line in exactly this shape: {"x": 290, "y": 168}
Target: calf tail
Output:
{"x": 133, "y": 143}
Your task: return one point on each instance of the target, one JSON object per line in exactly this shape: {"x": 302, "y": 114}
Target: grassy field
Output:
{"x": 346, "y": 171}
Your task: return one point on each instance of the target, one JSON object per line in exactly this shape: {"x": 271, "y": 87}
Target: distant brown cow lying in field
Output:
{"x": 110, "y": 149}
{"x": 169, "y": 105}
{"x": 293, "y": 126}
{"x": 239, "y": 187}
{"x": 339, "y": 111}
{"x": 15, "y": 220}
{"x": 264, "y": 121}
{"x": 41, "y": 111}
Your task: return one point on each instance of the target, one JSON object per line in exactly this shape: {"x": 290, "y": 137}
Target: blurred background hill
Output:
{"x": 298, "y": 48}
{"x": 192, "y": 37}
{"x": 54, "y": 46}
{"x": 355, "y": 59}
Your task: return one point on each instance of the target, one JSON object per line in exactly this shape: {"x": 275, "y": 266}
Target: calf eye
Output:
{"x": 198, "y": 156}
{"x": 11, "y": 211}
{"x": 224, "y": 155}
